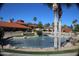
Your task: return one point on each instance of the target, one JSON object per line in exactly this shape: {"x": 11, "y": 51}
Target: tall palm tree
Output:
{"x": 1, "y": 18}
{"x": 1, "y": 5}
{"x": 35, "y": 19}
{"x": 65, "y": 26}
{"x": 11, "y": 19}
{"x": 40, "y": 25}
{"x": 47, "y": 25}
{"x": 74, "y": 22}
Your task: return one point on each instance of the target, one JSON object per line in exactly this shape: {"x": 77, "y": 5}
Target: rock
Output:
{"x": 7, "y": 46}
{"x": 69, "y": 44}
{"x": 13, "y": 47}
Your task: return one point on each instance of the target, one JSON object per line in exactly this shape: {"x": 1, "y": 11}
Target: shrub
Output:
{"x": 29, "y": 34}
{"x": 34, "y": 30}
{"x": 44, "y": 30}
{"x": 39, "y": 33}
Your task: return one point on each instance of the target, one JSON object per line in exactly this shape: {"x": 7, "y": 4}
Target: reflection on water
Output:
{"x": 35, "y": 42}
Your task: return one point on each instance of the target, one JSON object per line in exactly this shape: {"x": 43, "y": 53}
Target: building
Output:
{"x": 67, "y": 30}
{"x": 13, "y": 26}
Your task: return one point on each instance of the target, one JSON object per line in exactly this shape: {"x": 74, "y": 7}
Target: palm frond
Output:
{"x": 1, "y": 5}
{"x": 74, "y": 21}
{"x": 68, "y": 5}
{"x": 77, "y": 4}
{"x": 49, "y": 5}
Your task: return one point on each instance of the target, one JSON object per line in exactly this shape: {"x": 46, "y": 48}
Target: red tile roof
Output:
{"x": 12, "y": 25}
{"x": 67, "y": 30}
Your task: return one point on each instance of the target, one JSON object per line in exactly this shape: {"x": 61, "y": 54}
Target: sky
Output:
{"x": 43, "y": 13}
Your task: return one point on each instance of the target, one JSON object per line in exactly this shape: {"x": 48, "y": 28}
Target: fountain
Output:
{"x": 56, "y": 37}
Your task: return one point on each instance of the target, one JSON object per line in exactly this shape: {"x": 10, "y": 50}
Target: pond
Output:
{"x": 35, "y": 42}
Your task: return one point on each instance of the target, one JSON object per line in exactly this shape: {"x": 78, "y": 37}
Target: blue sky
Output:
{"x": 41, "y": 11}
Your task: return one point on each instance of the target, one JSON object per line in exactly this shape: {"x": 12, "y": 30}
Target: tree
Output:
{"x": 40, "y": 25}
{"x": 71, "y": 26}
{"x": 1, "y": 18}
{"x": 52, "y": 24}
{"x": 11, "y": 19}
{"x": 35, "y": 19}
{"x": 47, "y": 25}
{"x": 3, "y": 41}
{"x": 74, "y": 22}
{"x": 1, "y": 37}
{"x": 65, "y": 26}
{"x": 1, "y": 5}
{"x": 57, "y": 8}
{"x": 29, "y": 23}
{"x": 76, "y": 29}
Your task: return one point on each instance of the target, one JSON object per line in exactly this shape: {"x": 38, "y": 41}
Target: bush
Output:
{"x": 1, "y": 37}
{"x": 1, "y": 33}
{"x": 34, "y": 30}
{"x": 29, "y": 34}
{"x": 39, "y": 33}
{"x": 44, "y": 30}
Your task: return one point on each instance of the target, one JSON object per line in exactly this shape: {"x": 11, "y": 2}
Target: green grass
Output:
{"x": 47, "y": 52}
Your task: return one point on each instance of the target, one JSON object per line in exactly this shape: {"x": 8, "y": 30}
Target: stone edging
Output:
{"x": 42, "y": 52}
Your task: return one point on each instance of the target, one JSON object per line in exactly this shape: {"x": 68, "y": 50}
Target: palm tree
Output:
{"x": 35, "y": 19}
{"x": 64, "y": 26}
{"x": 75, "y": 26}
{"x": 40, "y": 25}
{"x": 1, "y": 18}
{"x": 74, "y": 22}
{"x": 11, "y": 19}
{"x": 1, "y": 5}
{"x": 47, "y": 25}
